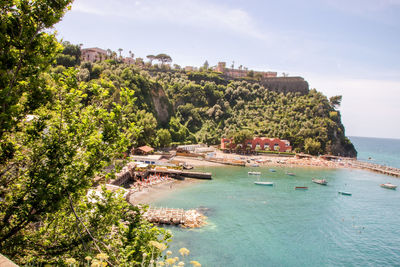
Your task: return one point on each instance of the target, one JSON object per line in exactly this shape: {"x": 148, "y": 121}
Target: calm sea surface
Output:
{"x": 378, "y": 150}
{"x": 252, "y": 225}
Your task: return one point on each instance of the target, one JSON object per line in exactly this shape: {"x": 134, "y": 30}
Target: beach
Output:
{"x": 267, "y": 160}
{"x": 155, "y": 192}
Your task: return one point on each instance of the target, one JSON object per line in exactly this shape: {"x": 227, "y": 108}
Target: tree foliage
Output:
{"x": 57, "y": 133}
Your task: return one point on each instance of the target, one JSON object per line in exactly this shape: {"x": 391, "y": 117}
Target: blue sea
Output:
{"x": 378, "y": 150}
{"x": 250, "y": 225}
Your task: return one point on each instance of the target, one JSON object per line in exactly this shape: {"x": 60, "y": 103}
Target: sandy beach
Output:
{"x": 266, "y": 160}
{"x": 152, "y": 193}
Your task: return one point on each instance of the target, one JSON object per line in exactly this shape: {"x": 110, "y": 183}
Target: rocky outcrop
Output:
{"x": 161, "y": 104}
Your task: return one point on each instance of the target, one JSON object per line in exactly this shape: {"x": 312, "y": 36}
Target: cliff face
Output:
{"x": 161, "y": 104}
{"x": 341, "y": 146}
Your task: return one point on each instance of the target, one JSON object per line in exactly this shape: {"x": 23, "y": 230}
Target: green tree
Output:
{"x": 241, "y": 136}
{"x": 335, "y": 101}
{"x": 163, "y": 58}
{"x": 147, "y": 124}
{"x": 206, "y": 65}
{"x": 312, "y": 147}
{"x": 164, "y": 138}
{"x": 26, "y": 51}
{"x": 56, "y": 135}
{"x": 151, "y": 58}
{"x": 70, "y": 56}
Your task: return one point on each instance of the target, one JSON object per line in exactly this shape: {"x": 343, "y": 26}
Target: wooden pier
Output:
{"x": 375, "y": 168}
{"x": 184, "y": 173}
{"x": 189, "y": 218}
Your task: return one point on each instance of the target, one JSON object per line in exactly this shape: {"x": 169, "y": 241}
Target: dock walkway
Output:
{"x": 184, "y": 173}
{"x": 375, "y": 168}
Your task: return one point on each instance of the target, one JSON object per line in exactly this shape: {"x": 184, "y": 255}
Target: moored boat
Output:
{"x": 389, "y": 186}
{"x": 344, "y": 193}
{"x": 301, "y": 188}
{"x": 255, "y": 165}
{"x": 254, "y": 173}
{"x": 272, "y": 170}
{"x": 291, "y": 174}
{"x": 320, "y": 181}
{"x": 264, "y": 183}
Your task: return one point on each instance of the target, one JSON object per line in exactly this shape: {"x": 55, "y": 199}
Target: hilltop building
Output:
{"x": 93, "y": 54}
{"x": 257, "y": 143}
{"x": 241, "y": 73}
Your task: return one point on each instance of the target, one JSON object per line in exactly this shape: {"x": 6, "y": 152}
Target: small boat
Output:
{"x": 320, "y": 181}
{"x": 344, "y": 193}
{"x": 264, "y": 183}
{"x": 272, "y": 170}
{"x": 255, "y": 165}
{"x": 301, "y": 188}
{"x": 389, "y": 186}
{"x": 187, "y": 167}
{"x": 254, "y": 173}
{"x": 291, "y": 174}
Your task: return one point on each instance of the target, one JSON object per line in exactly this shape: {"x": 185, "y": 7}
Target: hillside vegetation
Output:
{"x": 205, "y": 106}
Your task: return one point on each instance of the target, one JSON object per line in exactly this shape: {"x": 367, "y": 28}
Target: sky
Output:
{"x": 341, "y": 47}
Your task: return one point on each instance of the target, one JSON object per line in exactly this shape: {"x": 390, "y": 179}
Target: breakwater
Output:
{"x": 189, "y": 218}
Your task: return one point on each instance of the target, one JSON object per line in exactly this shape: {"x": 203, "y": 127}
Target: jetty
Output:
{"x": 189, "y": 218}
{"x": 181, "y": 173}
{"x": 375, "y": 168}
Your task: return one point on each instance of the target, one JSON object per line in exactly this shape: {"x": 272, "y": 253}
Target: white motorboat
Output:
{"x": 389, "y": 186}
{"x": 254, "y": 173}
{"x": 320, "y": 181}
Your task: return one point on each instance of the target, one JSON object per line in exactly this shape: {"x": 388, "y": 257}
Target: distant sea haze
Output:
{"x": 383, "y": 151}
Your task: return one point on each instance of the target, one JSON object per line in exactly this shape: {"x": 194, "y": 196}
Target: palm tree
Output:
{"x": 120, "y": 50}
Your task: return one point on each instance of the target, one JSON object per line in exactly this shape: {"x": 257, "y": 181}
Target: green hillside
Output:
{"x": 205, "y": 106}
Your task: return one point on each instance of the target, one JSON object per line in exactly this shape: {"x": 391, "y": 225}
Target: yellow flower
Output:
{"x": 176, "y": 259}
{"x": 158, "y": 245}
{"x": 88, "y": 258}
{"x": 170, "y": 261}
{"x": 102, "y": 256}
{"x": 195, "y": 263}
{"x": 184, "y": 252}
{"x": 70, "y": 261}
{"x": 181, "y": 263}
{"x": 160, "y": 263}
{"x": 169, "y": 252}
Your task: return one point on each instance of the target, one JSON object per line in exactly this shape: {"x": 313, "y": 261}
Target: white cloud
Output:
{"x": 184, "y": 12}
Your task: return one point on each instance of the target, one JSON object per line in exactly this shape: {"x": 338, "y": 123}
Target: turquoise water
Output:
{"x": 252, "y": 225}
{"x": 380, "y": 150}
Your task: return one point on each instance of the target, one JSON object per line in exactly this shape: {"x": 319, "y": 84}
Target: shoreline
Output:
{"x": 153, "y": 193}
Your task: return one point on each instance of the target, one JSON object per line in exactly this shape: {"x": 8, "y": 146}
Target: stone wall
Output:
{"x": 286, "y": 84}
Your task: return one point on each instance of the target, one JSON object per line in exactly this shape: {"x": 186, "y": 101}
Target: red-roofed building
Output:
{"x": 143, "y": 150}
{"x": 258, "y": 143}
